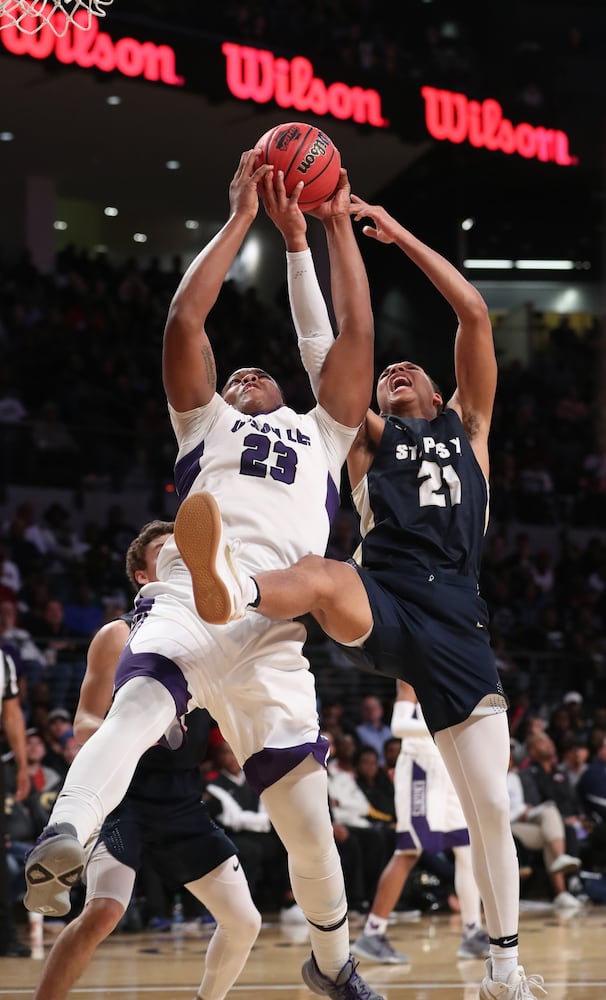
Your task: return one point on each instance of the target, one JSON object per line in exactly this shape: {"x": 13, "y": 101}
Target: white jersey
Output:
{"x": 275, "y": 476}
{"x": 276, "y": 479}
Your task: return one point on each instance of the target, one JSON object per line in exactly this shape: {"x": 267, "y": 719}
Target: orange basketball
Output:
{"x": 305, "y": 153}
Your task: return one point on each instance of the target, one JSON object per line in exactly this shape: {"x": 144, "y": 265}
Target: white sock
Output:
{"x": 375, "y": 925}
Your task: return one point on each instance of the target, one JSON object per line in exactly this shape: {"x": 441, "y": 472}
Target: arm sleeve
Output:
{"x": 310, "y": 316}
{"x": 402, "y": 722}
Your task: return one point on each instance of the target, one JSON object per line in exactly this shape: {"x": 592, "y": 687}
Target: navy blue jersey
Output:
{"x": 424, "y": 500}
{"x": 423, "y": 507}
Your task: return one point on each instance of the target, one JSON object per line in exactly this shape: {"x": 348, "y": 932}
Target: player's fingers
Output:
{"x": 296, "y": 193}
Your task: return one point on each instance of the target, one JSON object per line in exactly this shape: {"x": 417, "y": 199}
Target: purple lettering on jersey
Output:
{"x": 332, "y": 499}
{"x": 269, "y": 765}
{"x": 186, "y": 470}
{"x": 160, "y": 668}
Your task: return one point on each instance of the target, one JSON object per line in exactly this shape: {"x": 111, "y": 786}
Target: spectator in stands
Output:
{"x": 591, "y": 787}
{"x": 372, "y": 731}
{"x": 574, "y": 758}
{"x": 351, "y": 808}
{"x": 541, "y": 827}
{"x": 64, "y": 651}
{"x": 545, "y": 780}
{"x": 58, "y": 723}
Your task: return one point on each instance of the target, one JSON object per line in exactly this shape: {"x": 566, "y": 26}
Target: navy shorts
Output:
{"x": 432, "y": 631}
{"x": 166, "y": 823}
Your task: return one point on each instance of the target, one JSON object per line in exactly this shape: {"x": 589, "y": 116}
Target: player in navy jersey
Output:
{"x": 408, "y": 603}
{"x": 277, "y": 473}
{"x": 161, "y": 821}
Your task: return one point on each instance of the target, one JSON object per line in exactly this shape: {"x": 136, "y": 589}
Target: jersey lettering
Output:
{"x": 435, "y": 477}
{"x": 261, "y": 455}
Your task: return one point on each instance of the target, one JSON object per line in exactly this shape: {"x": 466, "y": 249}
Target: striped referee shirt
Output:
{"x": 8, "y": 678}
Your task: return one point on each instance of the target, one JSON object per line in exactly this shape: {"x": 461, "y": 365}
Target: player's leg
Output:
{"x": 96, "y": 782}
{"x": 331, "y": 590}
{"x": 298, "y": 807}
{"x": 108, "y": 891}
{"x": 225, "y": 893}
{"x": 476, "y": 754}
{"x": 475, "y": 940}
{"x": 372, "y": 943}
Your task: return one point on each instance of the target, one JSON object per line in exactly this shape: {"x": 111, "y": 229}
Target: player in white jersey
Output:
{"x": 251, "y": 676}
{"x": 428, "y": 818}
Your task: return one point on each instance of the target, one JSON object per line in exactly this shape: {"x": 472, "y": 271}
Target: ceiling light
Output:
{"x": 172, "y": 165}
{"x": 468, "y": 224}
{"x": 192, "y": 224}
{"x": 59, "y": 224}
{"x": 111, "y": 211}
{"x": 7, "y": 136}
{"x": 544, "y": 265}
{"x": 140, "y": 238}
{"x": 488, "y": 264}
{"x": 114, "y": 99}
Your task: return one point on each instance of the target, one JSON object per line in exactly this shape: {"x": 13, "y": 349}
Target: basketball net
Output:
{"x": 30, "y": 16}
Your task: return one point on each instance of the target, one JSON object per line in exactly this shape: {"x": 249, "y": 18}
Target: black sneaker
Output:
{"x": 348, "y": 985}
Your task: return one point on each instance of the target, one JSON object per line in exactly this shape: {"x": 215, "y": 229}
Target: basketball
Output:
{"x": 305, "y": 153}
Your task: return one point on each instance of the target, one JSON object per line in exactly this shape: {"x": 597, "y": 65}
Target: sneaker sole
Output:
{"x": 59, "y": 864}
{"x": 198, "y": 534}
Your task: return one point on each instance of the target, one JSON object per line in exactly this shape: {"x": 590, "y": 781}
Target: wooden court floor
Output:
{"x": 569, "y": 951}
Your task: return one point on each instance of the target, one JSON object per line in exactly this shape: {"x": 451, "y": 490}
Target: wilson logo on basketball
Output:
{"x": 481, "y": 123}
{"x": 258, "y": 75}
{"x": 92, "y": 48}
{"x": 318, "y": 149}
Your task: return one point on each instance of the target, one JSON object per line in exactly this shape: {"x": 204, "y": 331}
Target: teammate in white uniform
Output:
{"x": 428, "y": 818}
{"x": 278, "y": 473}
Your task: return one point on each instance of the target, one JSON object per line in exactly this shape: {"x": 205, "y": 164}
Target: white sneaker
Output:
{"x": 565, "y": 864}
{"x": 217, "y": 580}
{"x": 566, "y": 901}
{"x": 519, "y": 986}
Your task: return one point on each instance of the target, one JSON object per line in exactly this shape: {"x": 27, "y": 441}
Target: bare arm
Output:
{"x": 13, "y": 724}
{"x": 475, "y": 361}
{"x": 98, "y": 684}
{"x": 188, "y": 364}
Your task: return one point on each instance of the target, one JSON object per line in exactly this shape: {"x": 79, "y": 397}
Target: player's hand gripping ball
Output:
{"x": 305, "y": 153}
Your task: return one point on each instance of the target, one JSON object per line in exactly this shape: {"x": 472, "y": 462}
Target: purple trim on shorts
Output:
{"x": 272, "y": 763}
{"x": 186, "y": 470}
{"x": 160, "y": 668}
{"x": 332, "y": 499}
{"x": 432, "y": 841}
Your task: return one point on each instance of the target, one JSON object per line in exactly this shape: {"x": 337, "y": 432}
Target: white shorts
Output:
{"x": 428, "y": 812}
{"x": 251, "y": 674}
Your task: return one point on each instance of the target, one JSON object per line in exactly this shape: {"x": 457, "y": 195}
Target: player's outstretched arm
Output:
{"x": 188, "y": 364}
{"x": 98, "y": 684}
{"x": 312, "y": 323}
{"x": 346, "y": 384}
{"x": 475, "y": 362}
